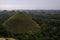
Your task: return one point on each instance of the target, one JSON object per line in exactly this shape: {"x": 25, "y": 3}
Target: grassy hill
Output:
{"x": 21, "y": 22}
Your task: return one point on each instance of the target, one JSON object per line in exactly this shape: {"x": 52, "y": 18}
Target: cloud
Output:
{"x": 13, "y": 7}
{"x": 6, "y": 6}
{"x": 29, "y": 4}
{"x": 9, "y": 7}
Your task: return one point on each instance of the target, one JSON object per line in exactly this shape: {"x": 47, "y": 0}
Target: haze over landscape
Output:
{"x": 29, "y": 19}
{"x": 29, "y": 4}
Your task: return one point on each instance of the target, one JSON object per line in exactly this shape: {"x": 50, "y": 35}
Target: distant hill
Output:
{"x": 21, "y": 22}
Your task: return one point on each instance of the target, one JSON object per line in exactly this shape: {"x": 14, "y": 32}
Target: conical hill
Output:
{"x": 20, "y": 22}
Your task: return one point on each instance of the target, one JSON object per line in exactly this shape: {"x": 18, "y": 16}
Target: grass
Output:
{"x": 21, "y": 22}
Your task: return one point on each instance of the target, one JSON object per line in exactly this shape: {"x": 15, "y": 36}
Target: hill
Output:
{"x": 20, "y": 22}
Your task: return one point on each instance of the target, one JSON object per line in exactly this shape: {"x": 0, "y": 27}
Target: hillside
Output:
{"x": 20, "y": 22}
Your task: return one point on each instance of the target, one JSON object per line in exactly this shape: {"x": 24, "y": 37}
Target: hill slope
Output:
{"x": 20, "y": 22}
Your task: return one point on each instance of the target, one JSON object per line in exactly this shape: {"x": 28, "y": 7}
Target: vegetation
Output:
{"x": 48, "y": 22}
{"x": 20, "y": 22}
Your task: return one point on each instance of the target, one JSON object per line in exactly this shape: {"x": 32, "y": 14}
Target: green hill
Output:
{"x": 21, "y": 22}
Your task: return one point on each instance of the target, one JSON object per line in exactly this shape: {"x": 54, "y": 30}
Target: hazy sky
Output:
{"x": 29, "y": 4}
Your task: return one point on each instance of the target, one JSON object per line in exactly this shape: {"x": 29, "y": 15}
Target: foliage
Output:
{"x": 49, "y": 22}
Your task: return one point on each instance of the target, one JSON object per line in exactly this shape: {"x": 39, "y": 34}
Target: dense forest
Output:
{"x": 47, "y": 20}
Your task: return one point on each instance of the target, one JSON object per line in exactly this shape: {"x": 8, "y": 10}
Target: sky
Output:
{"x": 29, "y": 4}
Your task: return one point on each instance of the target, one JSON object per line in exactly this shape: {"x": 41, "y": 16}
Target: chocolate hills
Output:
{"x": 21, "y": 22}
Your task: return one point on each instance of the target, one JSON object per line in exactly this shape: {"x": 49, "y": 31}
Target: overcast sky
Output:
{"x": 29, "y": 4}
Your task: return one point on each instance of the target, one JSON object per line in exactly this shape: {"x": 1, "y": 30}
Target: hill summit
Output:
{"x": 20, "y": 22}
